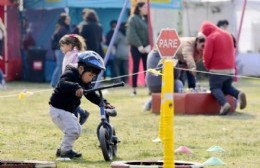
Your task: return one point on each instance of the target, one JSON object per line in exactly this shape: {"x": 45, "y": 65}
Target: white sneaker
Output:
{"x": 224, "y": 110}
{"x": 147, "y": 106}
{"x": 3, "y": 84}
{"x": 242, "y": 100}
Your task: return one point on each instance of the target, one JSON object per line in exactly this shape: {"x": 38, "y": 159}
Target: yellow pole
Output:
{"x": 168, "y": 135}
{"x": 162, "y": 111}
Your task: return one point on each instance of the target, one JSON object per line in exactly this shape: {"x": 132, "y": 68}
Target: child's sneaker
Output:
{"x": 3, "y": 84}
{"x": 83, "y": 117}
{"x": 70, "y": 154}
{"x": 147, "y": 105}
{"x": 224, "y": 110}
{"x": 242, "y": 100}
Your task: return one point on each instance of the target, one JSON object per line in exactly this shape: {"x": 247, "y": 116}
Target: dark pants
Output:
{"x": 25, "y": 64}
{"x": 1, "y": 76}
{"x": 121, "y": 69}
{"x": 220, "y": 86}
{"x": 79, "y": 111}
{"x": 1, "y": 54}
{"x": 1, "y": 47}
{"x": 111, "y": 66}
{"x": 136, "y": 55}
{"x": 190, "y": 79}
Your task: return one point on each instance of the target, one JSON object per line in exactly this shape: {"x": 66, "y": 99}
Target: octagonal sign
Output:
{"x": 168, "y": 42}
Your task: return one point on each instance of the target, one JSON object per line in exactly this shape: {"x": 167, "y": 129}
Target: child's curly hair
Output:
{"x": 75, "y": 40}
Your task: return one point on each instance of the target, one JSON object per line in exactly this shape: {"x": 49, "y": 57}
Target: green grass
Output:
{"x": 27, "y": 132}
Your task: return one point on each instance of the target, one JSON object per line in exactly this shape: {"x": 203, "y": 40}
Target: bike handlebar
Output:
{"x": 105, "y": 87}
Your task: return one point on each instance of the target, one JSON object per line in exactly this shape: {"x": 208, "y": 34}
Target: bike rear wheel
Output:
{"x": 105, "y": 144}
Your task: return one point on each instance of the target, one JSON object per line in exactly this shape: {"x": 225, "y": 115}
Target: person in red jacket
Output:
{"x": 219, "y": 59}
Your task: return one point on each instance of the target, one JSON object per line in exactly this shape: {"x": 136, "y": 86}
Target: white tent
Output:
{"x": 196, "y": 11}
{"x": 244, "y": 24}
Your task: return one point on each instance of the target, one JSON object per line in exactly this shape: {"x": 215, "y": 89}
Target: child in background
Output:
{"x": 66, "y": 98}
{"x": 71, "y": 45}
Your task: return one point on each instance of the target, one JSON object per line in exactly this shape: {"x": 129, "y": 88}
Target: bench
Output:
{"x": 192, "y": 103}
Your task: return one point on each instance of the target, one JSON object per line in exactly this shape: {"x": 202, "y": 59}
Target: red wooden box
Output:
{"x": 192, "y": 103}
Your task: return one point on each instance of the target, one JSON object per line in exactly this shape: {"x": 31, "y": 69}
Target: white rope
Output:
{"x": 118, "y": 77}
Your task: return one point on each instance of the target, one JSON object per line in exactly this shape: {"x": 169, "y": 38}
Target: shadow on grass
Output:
{"x": 240, "y": 116}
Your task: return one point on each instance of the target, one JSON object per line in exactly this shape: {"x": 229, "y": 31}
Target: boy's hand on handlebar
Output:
{"x": 79, "y": 92}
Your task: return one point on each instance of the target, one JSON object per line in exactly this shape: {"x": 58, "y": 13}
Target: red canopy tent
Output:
{"x": 8, "y": 2}
{"x": 11, "y": 63}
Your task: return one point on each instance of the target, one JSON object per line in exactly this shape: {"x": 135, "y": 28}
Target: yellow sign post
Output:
{"x": 162, "y": 111}
{"x": 167, "y": 43}
{"x": 168, "y": 117}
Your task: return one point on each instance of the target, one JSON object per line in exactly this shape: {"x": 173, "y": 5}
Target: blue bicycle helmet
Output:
{"x": 91, "y": 60}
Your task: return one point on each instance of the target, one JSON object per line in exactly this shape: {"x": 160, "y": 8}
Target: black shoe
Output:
{"x": 70, "y": 154}
{"x": 83, "y": 117}
{"x": 58, "y": 152}
{"x": 242, "y": 100}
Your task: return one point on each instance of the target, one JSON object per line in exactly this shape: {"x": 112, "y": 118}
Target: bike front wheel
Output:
{"x": 105, "y": 144}
{"x": 115, "y": 141}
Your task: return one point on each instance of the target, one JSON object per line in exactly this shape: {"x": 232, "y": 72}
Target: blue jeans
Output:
{"x": 178, "y": 86}
{"x": 1, "y": 76}
{"x": 79, "y": 111}
{"x": 220, "y": 86}
{"x": 58, "y": 69}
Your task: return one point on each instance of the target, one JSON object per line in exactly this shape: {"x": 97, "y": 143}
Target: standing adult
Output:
{"x": 28, "y": 42}
{"x": 121, "y": 53}
{"x": 137, "y": 36}
{"x": 78, "y": 28}
{"x": 111, "y": 57}
{"x": 2, "y": 35}
{"x": 188, "y": 55}
{"x": 92, "y": 32}
{"x": 219, "y": 59}
{"x": 62, "y": 28}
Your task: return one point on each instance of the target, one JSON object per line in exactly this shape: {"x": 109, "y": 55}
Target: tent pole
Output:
{"x": 112, "y": 41}
{"x": 240, "y": 25}
{"x": 5, "y": 42}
